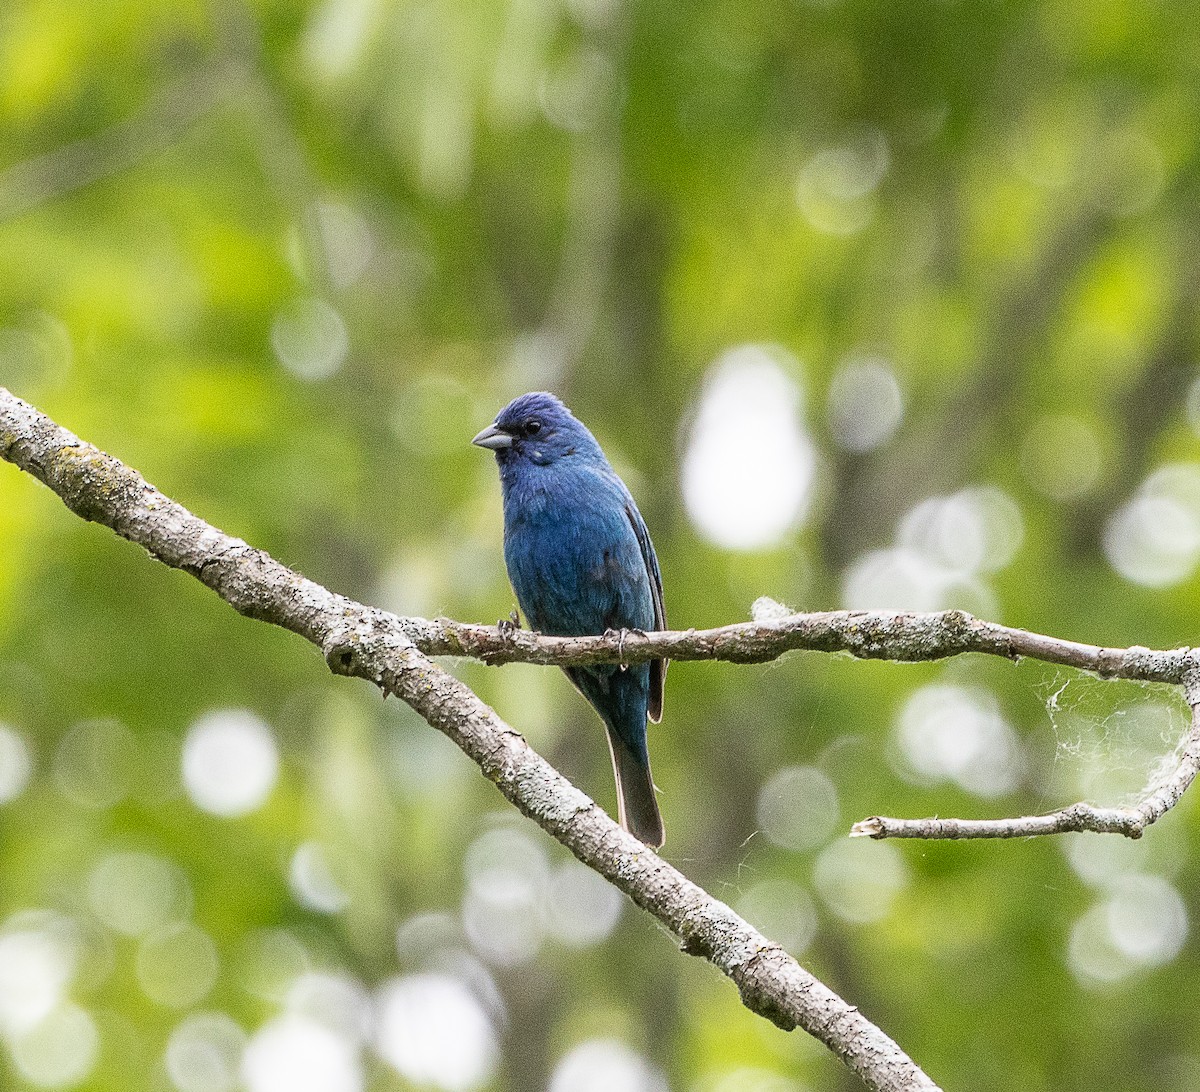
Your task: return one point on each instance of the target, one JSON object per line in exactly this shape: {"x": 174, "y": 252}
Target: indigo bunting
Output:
{"x": 581, "y": 562}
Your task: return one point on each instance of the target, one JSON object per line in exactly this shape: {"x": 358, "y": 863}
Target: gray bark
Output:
{"x": 374, "y": 645}
{"x": 393, "y": 653}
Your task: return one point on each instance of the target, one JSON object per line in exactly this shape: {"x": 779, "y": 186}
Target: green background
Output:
{"x": 287, "y": 258}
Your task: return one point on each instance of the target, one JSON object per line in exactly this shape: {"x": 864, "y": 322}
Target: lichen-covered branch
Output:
{"x": 372, "y": 644}
{"x": 874, "y": 635}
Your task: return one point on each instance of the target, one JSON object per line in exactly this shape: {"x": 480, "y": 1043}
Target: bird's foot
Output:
{"x": 510, "y": 625}
{"x": 621, "y": 635}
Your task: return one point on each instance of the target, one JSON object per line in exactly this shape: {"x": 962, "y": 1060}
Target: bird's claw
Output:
{"x": 621, "y": 635}
{"x": 510, "y": 625}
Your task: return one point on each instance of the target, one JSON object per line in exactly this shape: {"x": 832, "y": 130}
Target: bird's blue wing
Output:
{"x": 658, "y": 668}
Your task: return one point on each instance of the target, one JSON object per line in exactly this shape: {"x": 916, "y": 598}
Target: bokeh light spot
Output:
{"x": 959, "y": 734}
{"x": 605, "y": 1065}
{"x": 858, "y": 881}
{"x": 94, "y": 763}
{"x": 135, "y": 892}
{"x": 177, "y": 965}
{"x": 507, "y": 875}
{"x": 976, "y": 530}
{"x": 574, "y": 96}
{"x": 945, "y": 548}
{"x": 270, "y": 961}
{"x": 866, "y": 405}
{"x": 312, "y": 881}
{"x": 782, "y": 910}
{"x": 752, "y": 1078}
{"x": 16, "y": 763}
{"x": 1193, "y": 405}
{"x": 60, "y": 1050}
{"x": 432, "y": 1029}
{"x": 835, "y": 187}
{"x": 38, "y": 952}
{"x": 1147, "y": 919}
{"x": 230, "y": 762}
{"x": 1154, "y": 539}
{"x": 26, "y": 360}
{"x": 1142, "y": 923}
{"x": 749, "y": 467}
{"x": 310, "y": 339}
{"x": 582, "y": 908}
{"x": 336, "y": 35}
{"x": 338, "y": 1001}
{"x": 204, "y": 1053}
{"x": 798, "y": 807}
{"x": 294, "y": 1053}
{"x": 348, "y": 240}
{"x": 1103, "y": 861}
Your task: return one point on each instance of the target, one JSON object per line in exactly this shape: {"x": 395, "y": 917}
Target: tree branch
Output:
{"x": 374, "y": 645}
{"x": 869, "y": 635}
{"x": 1131, "y": 822}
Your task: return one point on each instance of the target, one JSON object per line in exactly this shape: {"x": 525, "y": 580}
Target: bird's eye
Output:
{"x": 532, "y": 428}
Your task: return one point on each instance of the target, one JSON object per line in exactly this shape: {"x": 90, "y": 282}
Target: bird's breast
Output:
{"x": 575, "y": 565}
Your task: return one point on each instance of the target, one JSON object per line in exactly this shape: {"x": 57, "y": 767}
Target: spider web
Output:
{"x": 1114, "y": 741}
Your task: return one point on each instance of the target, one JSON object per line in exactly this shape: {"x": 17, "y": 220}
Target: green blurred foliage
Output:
{"x": 286, "y": 258}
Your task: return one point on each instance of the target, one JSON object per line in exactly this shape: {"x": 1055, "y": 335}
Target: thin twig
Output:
{"x": 371, "y": 644}
{"x": 1131, "y": 821}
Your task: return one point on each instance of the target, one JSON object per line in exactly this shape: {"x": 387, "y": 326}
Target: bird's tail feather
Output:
{"x": 637, "y": 809}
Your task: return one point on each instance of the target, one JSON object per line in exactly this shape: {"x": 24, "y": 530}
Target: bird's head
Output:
{"x": 536, "y": 427}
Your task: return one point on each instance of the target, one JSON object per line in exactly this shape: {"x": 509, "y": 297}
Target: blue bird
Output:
{"x": 581, "y": 562}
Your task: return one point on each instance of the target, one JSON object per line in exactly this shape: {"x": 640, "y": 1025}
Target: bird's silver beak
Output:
{"x": 493, "y": 439}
